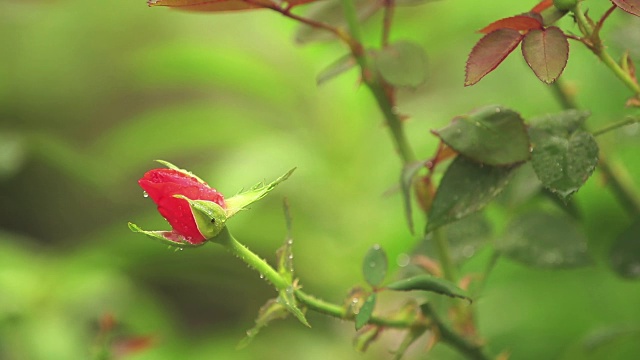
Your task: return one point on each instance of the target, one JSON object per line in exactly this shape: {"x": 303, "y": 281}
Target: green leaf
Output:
{"x": 624, "y": 257}
{"x": 563, "y": 155}
{"x": 543, "y": 240}
{"x": 336, "y": 68}
{"x": 374, "y": 266}
{"x": 408, "y": 175}
{"x": 272, "y": 310}
{"x": 546, "y": 52}
{"x": 364, "y": 315}
{"x": 288, "y": 299}
{"x": 257, "y": 192}
{"x": 465, "y": 237}
{"x": 430, "y": 284}
{"x": 402, "y": 64}
{"x": 465, "y": 188}
{"x": 491, "y": 135}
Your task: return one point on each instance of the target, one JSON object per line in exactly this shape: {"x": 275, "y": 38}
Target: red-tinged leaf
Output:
{"x": 132, "y": 345}
{"x": 542, "y": 5}
{"x": 489, "y": 53}
{"x": 221, "y": 5}
{"x": 546, "y": 51}
{"x": 518, "y": 22}
{"x": 630, "y": 6}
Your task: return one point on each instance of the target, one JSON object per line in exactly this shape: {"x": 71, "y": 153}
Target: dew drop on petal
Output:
{"x": 145, "y": 194}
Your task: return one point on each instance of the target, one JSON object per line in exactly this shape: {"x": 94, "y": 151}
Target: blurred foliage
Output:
{"x": 91, "y": 93}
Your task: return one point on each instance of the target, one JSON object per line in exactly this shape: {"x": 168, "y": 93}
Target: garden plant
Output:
{"x": 492, "y": 185}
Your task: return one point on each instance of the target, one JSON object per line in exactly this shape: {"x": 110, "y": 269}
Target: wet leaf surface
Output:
{"x": 491, "y": 135}
{"x": 544, "y": 240}
{"x": 465, "y": 188}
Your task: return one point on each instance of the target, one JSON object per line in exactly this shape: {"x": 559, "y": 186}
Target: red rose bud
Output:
{"x": 194, "y": 210}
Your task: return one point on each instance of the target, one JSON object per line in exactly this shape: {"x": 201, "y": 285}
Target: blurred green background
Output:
{"x": 92, "y": 92}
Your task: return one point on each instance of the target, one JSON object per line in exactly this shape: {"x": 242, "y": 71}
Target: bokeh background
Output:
{"x": 92, "y": 92}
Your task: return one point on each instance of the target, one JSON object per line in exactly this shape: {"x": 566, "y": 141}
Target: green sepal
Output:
{"x": 165, "y": 237}
{"x": 173, "y": 167}
{"x": 288, "y": 299}
{"x": 210, "y": 217}
{"x": 257, "y": 192}
{"x": 272, "y": 310}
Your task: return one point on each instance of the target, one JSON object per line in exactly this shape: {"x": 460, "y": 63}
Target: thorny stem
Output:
{"x": 286, "y": 11}
{"x": 593, "y": 42}
{"x": 447, "y": 334}
{"x": 622, "y": 190}
{"x": 377, "y": 87}
{"x": 389, "y": 7}
{"x": 250, "y": 258}
{"x": 383, "y": 94}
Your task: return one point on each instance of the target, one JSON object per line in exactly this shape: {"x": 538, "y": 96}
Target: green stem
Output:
{"x": 376, "y": 86}
{"x": 495, "y": 256}
{"x": 446, "y": 262}
{"x": 448, "y": 335}
{"x": 351, "y": 16}
{"x": 562, "y": 95}
{"x": 621, "y": 187}
{"x": 250, "y": 258}
{"x": 625, "y": 122}
{"x": 593, "y": 36}
{"x": 392, "y": 119}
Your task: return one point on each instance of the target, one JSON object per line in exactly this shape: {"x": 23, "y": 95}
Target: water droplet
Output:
{"x": 290, "y": 242}
{"x": 289, "y": 290}
{"x": 468, "y": 251}
{"x": 291, "y": 257}
{"x": 355, "y": 300}
{"x": 145, "y": 194}
{"x": 403, "y": 260}
{"x": 261, "y": 276}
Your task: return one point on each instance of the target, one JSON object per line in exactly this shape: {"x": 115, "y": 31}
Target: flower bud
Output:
{"x": 176, "y": 193}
